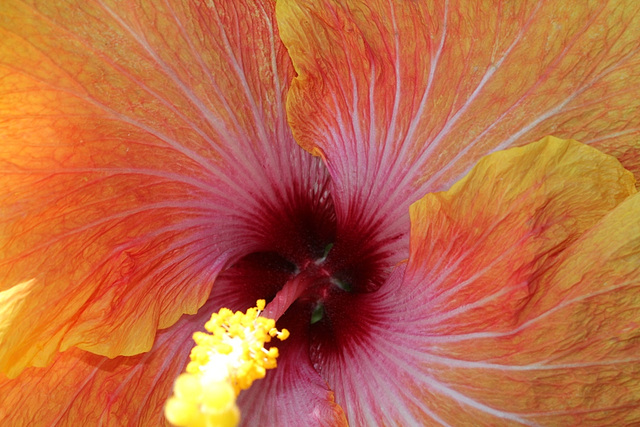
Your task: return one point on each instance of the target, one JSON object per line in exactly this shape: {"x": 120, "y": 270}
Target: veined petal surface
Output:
{"x": 402, "y": 97}
{"x": 518, "y": 304}
{"x": 79, "y": 386}
{"x": 141, "y": 141}
{"x": 294, "y": 393}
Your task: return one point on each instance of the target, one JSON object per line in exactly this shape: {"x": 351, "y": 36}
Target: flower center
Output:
{"x": 313, "y": 269}
{"x": 312, "y": 266}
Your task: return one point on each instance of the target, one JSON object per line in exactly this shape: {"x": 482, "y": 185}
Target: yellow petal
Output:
{"x": 506, "y": 221}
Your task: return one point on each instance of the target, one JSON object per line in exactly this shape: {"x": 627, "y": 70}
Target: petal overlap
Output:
{"x": 79, "y": 385}
{"x": 518, "y": 304}
{"x": 146, "y": 153}
{"x": 402, "y": 98}
{"x": 140, "y": 142}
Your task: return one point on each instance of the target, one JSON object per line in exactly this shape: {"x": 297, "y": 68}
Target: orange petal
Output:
{"x": 402, "y": 98}
{"x": 518, "y": 304}
{"x": 79, "y": 385}
{"x": 504, "y": 223}
{"x": 570, "y": 354}
{"x": 97, "y": 390}
{"x": 139, "y": 144}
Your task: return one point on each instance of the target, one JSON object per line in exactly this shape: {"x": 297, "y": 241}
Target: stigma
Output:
{"x": 226, "y": 359}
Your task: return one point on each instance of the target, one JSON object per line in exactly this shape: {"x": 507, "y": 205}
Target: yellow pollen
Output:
{"x": 224, "y": 361}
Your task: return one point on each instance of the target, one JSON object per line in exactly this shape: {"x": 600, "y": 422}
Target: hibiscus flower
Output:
{"x": 161, "y": 160}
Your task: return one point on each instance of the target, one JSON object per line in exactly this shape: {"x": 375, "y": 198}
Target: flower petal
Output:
{"x": 518, "y": 304}
{"x": 570, "y": 354}
{"x": 140, "y": 142}
{"x": 79, "y": 385}
{"x": 402, "y": 98}
{"x": 504, "y": 223}
{"x": 293, "y": 393}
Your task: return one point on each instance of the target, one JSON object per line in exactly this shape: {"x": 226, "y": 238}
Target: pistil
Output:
{"x": 310, "y": 277}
